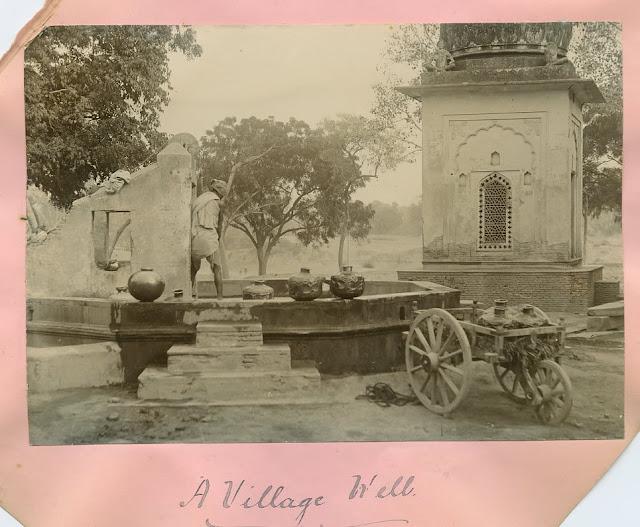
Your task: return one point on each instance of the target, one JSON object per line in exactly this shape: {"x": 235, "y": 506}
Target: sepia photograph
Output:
{"x": 270, "y": 234}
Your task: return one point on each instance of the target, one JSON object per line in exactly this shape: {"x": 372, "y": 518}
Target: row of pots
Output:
{"x": 306, "y": 286}
{"x": 147, "y": 285}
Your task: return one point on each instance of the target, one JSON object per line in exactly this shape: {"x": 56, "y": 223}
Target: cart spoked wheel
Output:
{"x": 554, "y": 388}
{"x": 438, "y": 358}
{"x": 511, "y": 380}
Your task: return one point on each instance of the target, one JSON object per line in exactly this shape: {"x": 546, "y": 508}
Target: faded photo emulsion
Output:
{"x": 324, "y": 233}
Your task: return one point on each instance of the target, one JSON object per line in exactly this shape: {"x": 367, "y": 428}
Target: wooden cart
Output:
{"x": 441, "y": 345}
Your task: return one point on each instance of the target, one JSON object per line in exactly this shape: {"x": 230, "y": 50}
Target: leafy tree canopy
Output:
{"x": 93, "y": 97}
{"x": 294, "y": 188}
{"x": 596, "y": 51}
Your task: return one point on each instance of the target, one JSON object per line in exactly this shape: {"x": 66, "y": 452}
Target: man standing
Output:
{"x": 206, "y": 225}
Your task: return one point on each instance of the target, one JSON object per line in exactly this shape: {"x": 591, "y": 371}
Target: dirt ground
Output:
{"x": 114, "y": 415}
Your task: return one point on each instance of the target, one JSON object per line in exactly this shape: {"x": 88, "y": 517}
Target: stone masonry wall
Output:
{"x": 606, "y": 291}
{"x": 158, "y": 203}
{"x": 550, "y": 290}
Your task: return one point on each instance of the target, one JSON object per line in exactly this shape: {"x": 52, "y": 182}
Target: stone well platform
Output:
{"x": 362, "y": 335}
{"x": 230, "y": 365}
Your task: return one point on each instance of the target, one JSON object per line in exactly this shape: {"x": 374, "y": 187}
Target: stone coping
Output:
{"x": 610, "y": 309}
{"x": 100, "y": 318}
{"x": 584, "y": 89}
{"x": 418, "y": 286}
{"x": 232, "y": 302}
{"x": 505, "y": 74}
{"x": 501, "y": 269}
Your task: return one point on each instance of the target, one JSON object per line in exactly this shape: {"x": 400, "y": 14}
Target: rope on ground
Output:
{"x": 384, "y": 395}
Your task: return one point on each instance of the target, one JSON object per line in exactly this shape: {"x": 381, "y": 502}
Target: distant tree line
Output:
{"x": 391, "y": 218}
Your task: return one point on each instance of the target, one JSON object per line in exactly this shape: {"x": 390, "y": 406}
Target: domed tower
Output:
{"x": 502, "y": 165}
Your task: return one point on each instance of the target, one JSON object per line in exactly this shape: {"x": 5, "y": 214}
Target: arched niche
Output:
{"x": 493, "y": 146}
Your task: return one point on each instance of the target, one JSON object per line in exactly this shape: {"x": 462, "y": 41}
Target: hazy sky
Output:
{"x": 306, "y": 72}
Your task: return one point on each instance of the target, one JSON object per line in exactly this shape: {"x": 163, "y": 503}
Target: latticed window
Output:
{"x": 495, "y": 213}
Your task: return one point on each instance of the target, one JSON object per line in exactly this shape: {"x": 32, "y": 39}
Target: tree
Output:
{"x": 93, "y": 97}
{"x": 388, "y": 217}
{"x": 602, "y": 131}
{"x": 288, "y": 190}
{"x": 224, "y": 225}
{"x": 413, "y": 219}
{"x": 407, "y": 48}
{"x": 357, "y": 225}
{"x": 602, "y": 190}
{"x": 362, "y": 147}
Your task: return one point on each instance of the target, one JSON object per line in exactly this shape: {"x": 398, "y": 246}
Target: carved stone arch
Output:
{"x": 491, "y": 142}
{"x": 494, "y": 213}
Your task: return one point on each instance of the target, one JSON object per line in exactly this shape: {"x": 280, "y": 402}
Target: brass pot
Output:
{"x": 305, "y": 286}
{"x": 347, "y": 284}
{"x": 259, "y": 290}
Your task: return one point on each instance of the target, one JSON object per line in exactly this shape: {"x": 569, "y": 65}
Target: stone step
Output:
{"x": 597, "y": 323}
{"x": 195, "y": 359}
{"x": 229, "y": 388}
{"x": 75, "y": 366}
{"x": 612, "y": 309}
{"x": 611, "y": 339}
{"x": 228, "y": 334}
{"x": 228, "y": 311}
{"x": 216, "y": 326}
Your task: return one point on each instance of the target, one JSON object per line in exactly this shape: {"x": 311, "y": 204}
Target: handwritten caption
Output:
{"x": 243, "y": 495}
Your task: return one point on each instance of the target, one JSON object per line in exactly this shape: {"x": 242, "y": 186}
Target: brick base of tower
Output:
{"x": 552, "y": 288}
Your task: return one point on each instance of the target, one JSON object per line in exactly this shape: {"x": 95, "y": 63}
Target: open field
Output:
{"x": 380, "y": 256}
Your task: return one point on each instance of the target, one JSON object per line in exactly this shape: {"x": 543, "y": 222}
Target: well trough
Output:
{"x": 362, "y": 335}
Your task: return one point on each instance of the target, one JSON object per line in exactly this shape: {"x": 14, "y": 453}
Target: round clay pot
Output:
{"x": 305, "y": 286}
{"x": 146, "y": 285}
{"x": 347, "y": 284}
{"x": 259, "y": 290}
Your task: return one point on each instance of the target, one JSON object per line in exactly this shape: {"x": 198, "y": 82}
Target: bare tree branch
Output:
{"x": 240, "y": 164}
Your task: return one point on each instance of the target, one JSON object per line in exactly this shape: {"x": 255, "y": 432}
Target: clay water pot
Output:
{"x": 259, "y": 290}
{"x": 305, "y": 286}
{"x": 146, "y": 285}
{"x": 347, "y": 284}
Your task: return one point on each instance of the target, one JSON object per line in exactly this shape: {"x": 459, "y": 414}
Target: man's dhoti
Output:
{"x": 205, "y": 244}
